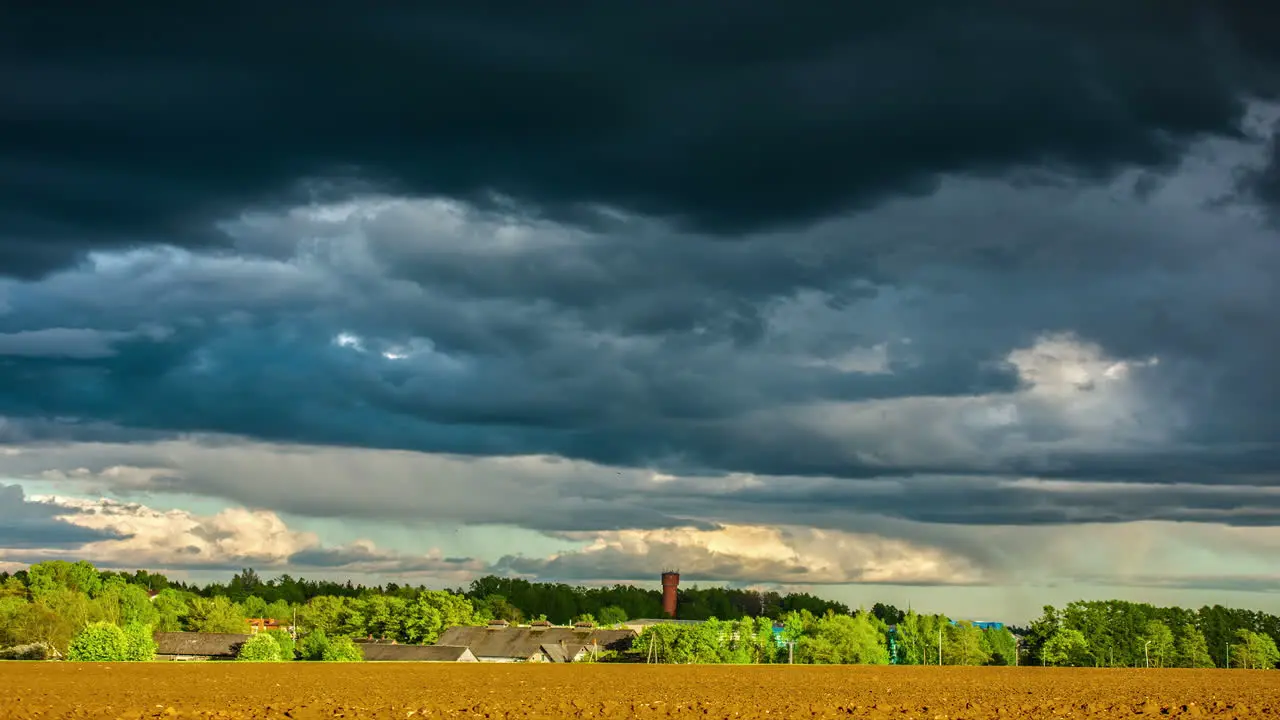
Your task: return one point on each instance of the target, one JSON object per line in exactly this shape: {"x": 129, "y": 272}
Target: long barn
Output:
{"x": 536, "y": 643}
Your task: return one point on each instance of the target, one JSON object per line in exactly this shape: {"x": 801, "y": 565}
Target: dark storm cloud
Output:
{"x": 25, "y": 524}
{"x": 958, "y": 501}
{"x": 142, "y": 125}
{"x": 357, "y": 556}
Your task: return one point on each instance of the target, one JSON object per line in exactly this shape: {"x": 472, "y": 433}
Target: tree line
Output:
{"x": 1115, "y": 633}
{"x": 56, "y": 603}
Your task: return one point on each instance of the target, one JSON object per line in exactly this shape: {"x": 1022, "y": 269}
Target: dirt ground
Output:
{"x": 408, "y": 690}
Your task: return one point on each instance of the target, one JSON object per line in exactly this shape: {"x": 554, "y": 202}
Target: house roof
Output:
{"x": 560, "y": 653}
{"x": 190, "y": 643}
{"x": 419, "y": 653}
{"x": 524, "y": 642}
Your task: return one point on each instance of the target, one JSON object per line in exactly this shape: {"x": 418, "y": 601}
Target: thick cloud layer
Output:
{"x": 1086, "y": 335}
{"x": 145, "y": 125}
{"x": 901, "y": 279}
{"x": 38, "y": 525}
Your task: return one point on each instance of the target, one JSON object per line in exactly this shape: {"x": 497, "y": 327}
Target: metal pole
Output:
{"x": 1146, "y": 657}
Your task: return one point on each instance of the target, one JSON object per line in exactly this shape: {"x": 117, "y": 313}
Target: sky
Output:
{"x": 971, "y": 309}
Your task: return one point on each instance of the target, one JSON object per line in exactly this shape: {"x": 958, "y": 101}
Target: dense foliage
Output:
{"x": 260, "y": 648}
{"x": 140, "y": 646}
{"x": 99, "y": 642}
{"x": 342, "y": 650}
{"x": 59, "y": 605}
{"x": 1115, "y": 633}
{"x": 286, "y": 643}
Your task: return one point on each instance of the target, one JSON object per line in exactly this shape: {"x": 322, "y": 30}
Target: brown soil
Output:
{"x": 411, "y": 691}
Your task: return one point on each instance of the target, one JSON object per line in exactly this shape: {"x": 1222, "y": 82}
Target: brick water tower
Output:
{"x": 670, "y": 582}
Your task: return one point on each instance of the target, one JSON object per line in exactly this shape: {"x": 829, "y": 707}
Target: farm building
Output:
{"x": 389, "y": 652}
{"x": 257, "y": 625}
{"x": 537, "y": 642}
{"x": 198, "y": 646}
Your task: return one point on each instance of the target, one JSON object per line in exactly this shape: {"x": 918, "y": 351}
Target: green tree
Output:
{"x": 261, "y": 647}
{"x": 855, "y": 640}
{"x": 342, "y": 650}
{"x": 964, "y": 645}
{"x": 681, "y": 644}
{"x": 253, "y": 607}
{"x": 1066, "y": 647}
{"x": 384, "y": 616}
{"x": 171, "y": 610}
{"x": 215, "y": 615}
{"x": 1043, "y": 628}
{"x": 323, "y": 613}
{"x": 497, "y": 607}
{"x": 13, "y": 587}
{"x": 611, "y": 615}
{"x": 1254, "y": 651}
{"x": 140, "y": 646}
{"x": 1157, "y": 640}
{"x": 1192, "y": 650}
{"x": 433, "y": 611}
{"x": 99, "y": 642}
{"x": 280, "y": 611}
{"x": 13, "y": 610}
{"x": 314, "y": 645}
{"x": 57, "y": 615}
{"x": 1002, "y": 645}
{"x": 817, "y": 650}
{"x": 285, "y": 641}
{"x": 54, "y": 575}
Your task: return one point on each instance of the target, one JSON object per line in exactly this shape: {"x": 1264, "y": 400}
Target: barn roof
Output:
{"x": 191, "y": 643}
{"x": 419, "y": 653}
{"x": 524, "y": 642}
{"x": 560, "y": 653}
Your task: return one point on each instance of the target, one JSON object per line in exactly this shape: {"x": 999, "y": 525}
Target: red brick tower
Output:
{"x": 670, "y": 581}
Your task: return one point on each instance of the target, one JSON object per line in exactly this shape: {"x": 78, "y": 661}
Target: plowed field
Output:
{"x": 405, "y": 690}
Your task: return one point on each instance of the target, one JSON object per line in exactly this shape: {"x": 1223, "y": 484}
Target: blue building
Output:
{"x": 984, "y": 624}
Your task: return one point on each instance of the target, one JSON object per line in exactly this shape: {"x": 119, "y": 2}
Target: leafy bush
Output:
{"x": 342, "y": 650}
{"x": 314, "y": 645}
{"x": 285, "y": 641}
{"x": 33, "y": 651}
{"x": 99, "y": 642}
{"x": 140, "y": 646}
{"x": 260, "y": 648}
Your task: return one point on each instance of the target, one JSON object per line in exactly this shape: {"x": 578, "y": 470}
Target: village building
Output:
{"x": 198, "y": 646}
{"x": 391, "y": 652}
{"x": 536, "y": 642}
{"x": 257, "y": 625}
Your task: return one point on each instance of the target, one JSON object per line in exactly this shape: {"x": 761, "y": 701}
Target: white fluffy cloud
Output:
{"x": 753, "y": 554}
{"x": 231, "y": 538}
